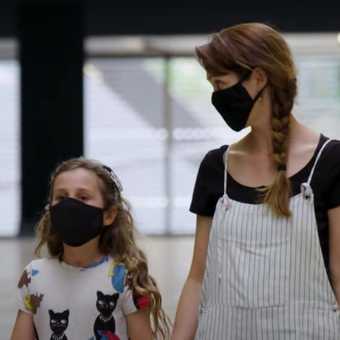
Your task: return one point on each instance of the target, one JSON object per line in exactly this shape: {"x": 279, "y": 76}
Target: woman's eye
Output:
{"x": 59, "y": 198}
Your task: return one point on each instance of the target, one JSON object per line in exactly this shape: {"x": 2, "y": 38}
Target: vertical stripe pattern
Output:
{"x": 265, "y": 276}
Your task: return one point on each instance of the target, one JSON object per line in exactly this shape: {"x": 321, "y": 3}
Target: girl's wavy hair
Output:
{"x": 242, "y": 48}
{"x": 117, "y": 240}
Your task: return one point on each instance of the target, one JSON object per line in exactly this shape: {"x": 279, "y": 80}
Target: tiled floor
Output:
{"x": 169, "y": 261}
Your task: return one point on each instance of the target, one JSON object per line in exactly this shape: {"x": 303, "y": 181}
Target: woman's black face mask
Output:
{"x": 234, "y": 104}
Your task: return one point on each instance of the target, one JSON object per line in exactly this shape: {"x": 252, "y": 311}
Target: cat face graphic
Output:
{"x": 106, "y": 304}
{"x": 59, "y": 321}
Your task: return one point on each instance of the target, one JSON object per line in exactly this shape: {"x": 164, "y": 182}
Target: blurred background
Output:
{"x": 122, "y": 85}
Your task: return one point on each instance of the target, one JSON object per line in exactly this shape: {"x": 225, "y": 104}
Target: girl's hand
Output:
{"x": 139, "y": 325}
{"x": 23, "y": 328}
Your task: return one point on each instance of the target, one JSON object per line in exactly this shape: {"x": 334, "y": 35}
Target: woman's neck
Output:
{"x": 259, "y": 140}
{"x": 84, "y": 255}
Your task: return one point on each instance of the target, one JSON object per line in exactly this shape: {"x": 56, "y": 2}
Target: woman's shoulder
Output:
{"x": 333, "y": 145}
{"x": 328, "y": 163}
{"x": 331, "y": 153}
{"x": 214, "y": 158}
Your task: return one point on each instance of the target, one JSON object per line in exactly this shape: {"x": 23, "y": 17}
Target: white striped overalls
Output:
{"x": 265, "y": 276}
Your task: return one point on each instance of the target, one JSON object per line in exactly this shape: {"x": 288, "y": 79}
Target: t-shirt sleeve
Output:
{"x": 333, "y": 174}
{"x": 208, "y": 185}
{"x": 23, "y": 291}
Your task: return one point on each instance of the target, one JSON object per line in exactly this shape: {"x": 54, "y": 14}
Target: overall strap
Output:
{"x": 317, "y": 160}
{"x": 225, "y": 161}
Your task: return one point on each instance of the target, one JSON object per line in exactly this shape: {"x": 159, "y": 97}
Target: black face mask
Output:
{"x": 76, "y": 222}
{"x": 234, "y": 104}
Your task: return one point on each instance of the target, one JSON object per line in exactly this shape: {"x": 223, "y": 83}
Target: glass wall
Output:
{"x": 318, "y": 104}
{"x": 124, "y": 128}
{"x": 9, "y": 148}
{"x": 151, "y": 119}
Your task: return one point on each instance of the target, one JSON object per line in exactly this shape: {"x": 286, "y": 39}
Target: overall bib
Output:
{"x": 265, "y": 276}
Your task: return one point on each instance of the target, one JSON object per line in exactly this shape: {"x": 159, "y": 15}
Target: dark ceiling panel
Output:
{"x": 108, "y": 18}
{"x": 7, "y": 19}
{"x": 103, "y": 18}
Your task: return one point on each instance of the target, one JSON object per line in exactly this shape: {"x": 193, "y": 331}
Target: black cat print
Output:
{"x": 105, "y": 325}
{"x": 59, "y": 324}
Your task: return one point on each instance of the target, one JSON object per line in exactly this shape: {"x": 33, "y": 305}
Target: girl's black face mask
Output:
{"x": 76, "y": 222}
{"x": 234, "y": 104}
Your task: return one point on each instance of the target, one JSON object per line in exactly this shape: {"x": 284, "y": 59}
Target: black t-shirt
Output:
{"x": 325, "y": 184}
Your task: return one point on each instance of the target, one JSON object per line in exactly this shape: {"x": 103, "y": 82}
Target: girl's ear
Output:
{"x": 110, "y": 215}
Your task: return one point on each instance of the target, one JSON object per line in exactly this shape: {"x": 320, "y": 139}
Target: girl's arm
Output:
{"x": 187, "y": 310}
{"x": 23, "y": 327}
{"x": 334, "y": 249}
{"x": 139, "y": 325}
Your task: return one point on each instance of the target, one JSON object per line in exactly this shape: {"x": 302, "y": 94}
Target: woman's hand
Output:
{"x": 334, "y": 249}
{"x": 139, "y": 325}
{"x": 187, "y": 310}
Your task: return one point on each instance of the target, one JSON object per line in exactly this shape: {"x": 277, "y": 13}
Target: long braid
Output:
{"x": 277, "y": 195}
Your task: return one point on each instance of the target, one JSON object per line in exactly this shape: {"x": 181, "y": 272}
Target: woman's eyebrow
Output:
{"x": 59, "y": 190}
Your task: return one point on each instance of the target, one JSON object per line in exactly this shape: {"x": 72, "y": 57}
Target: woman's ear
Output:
{"x": 110, "y": 215}
{"x": 256, "y": 82}
{"x": 260, "y": 77}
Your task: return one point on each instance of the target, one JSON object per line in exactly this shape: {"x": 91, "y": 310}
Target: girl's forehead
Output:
{"x": 77, "y": 178}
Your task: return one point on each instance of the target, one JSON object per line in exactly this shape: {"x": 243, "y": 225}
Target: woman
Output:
{"x": 266, "y": 262}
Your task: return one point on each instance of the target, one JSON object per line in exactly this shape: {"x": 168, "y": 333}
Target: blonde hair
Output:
{"x": 117, "y": 240}
{"x": 241, "y": 48}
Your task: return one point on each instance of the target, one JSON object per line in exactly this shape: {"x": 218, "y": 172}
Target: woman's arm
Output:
{"x": 139, "y": 325}
{"x": 23, "y": 327}
{"x": 187, "y": 310}
{"x": 334, "y": 249}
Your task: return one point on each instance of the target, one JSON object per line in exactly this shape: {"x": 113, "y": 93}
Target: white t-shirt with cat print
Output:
{"x": 73, "y": 303}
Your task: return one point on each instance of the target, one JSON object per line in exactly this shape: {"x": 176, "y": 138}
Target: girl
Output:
{"x": 95, "y": 283}
{"x": 266, "y": 261}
